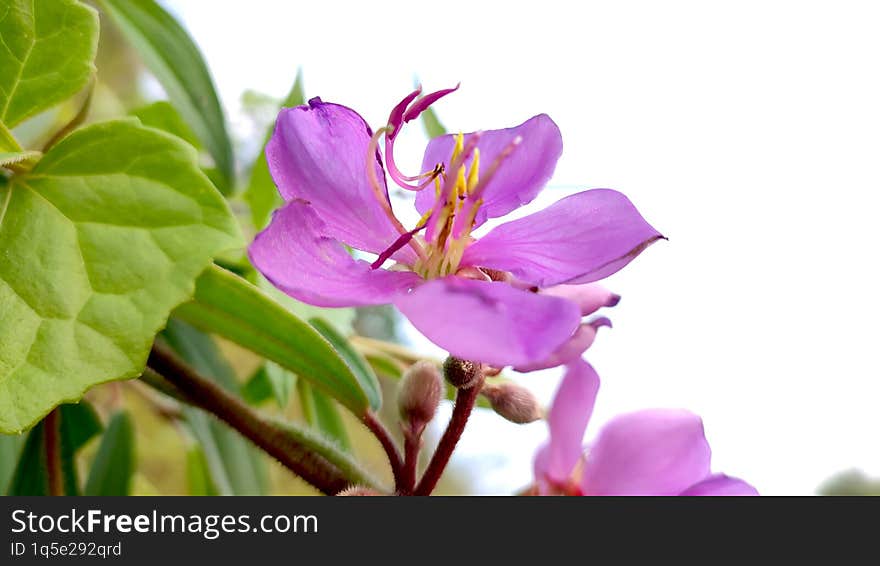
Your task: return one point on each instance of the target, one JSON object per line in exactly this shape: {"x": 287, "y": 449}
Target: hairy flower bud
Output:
{"x": 513, "y": 402}
{"x": 461, "y": 374}
{"x": 420, "y": 391}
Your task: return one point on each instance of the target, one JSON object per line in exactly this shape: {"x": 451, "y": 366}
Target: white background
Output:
{"x": 747, "y": 132}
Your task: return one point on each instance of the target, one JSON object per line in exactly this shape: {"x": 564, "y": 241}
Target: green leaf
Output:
{"x": 270, "y": 380}
{"x": 77, "y": 425}
{"x": 162, "y": 116}
{"x": 321, "y": 413}
{"x": 171, "y": 55}
{"x": 261, "y": 194}
{"x": 235, "y": 465}
{"x": 359, "y": 366}
{"x": 100, "y": 241}
{"x": 114, "y": 465}
{"x": 18, "y": 158}
{"x": 227, "y": 305}
{"x": 46, "y": 54}
{"x": 342, "y": 319}
{"x": 8, "y": 143}
{"x": 198, "y": 476}
{"x": 432, "y": 124}
{"x": 10, "y": 449}
{"x": 30, "y": 476}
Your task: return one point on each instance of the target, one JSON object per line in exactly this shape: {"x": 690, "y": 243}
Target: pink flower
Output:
{"x": 650, "y": 452}
{"x": 493, "y": 299}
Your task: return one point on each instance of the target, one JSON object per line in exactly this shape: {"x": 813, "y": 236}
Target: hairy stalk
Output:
{"x": 299, "y": 451}
{"x": 381, "y": 433}
{"x": 412, "y": 438}
{"x": 465, "y": 400}
{"x": 52, "y": 439}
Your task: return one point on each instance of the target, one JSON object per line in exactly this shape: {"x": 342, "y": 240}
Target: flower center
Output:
{"x": 451, "y": 220}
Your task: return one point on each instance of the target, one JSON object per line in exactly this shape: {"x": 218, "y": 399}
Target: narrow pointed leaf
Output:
{"x": 227, "y": 305}
{"x": 169, "y": 52}
{"x": 359, "y": 366}
{"x": 321, "y": 413}
{"x": 114, "y": 465}
{"x": 198, "y": 475}
{"x": 10, "y": 449}
{"x": 77, "y": 425}
{"x": 261, "y": 194}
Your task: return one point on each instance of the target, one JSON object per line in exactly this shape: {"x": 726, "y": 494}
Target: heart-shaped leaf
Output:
{"x": 100, "y": 241}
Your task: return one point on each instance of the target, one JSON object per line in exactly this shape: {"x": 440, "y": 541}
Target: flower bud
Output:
{"x": 461, "y": 374}
{"x": 420, "y": 391}
{"x": 357, "y": 490}
{"x": 513, "y": 402}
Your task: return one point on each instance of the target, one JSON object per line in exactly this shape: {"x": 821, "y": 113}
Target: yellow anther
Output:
{"x": 474, "y": 173}
{"x": 461, "y": 183}
{"x": 424, "y": 219}
{"x": 459, "y": 146}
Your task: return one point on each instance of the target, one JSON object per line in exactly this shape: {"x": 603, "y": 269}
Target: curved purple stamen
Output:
{"x": 401, "y": 241}
{"x": 400, "y": 114}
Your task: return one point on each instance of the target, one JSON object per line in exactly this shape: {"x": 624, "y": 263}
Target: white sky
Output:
{"x": 748, "y": 132}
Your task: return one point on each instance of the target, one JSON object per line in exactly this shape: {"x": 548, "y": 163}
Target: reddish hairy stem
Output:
{"x": 308, "y": 465}
{"x": 52, "y": 440}
{"x": 465, "y": 400}
{"x": 384, "y": 437}
{"x": 412, "y": 442}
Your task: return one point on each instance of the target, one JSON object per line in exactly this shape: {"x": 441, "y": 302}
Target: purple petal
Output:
{"x": 296, "y": 257}
{"x": 581, "y": 238}
{"x": 653, "y": 452}
{"x": 719, "y": 484}
{"x": 575, "y": 346}
{"x": 569, "y": 415}
{"x": 519, "y": 179}
{"x": 489, "y": 322}
{"x": 318, "y": 153}
{"x": 590, "y": 297}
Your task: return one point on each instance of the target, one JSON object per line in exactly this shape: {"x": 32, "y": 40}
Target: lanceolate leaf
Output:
{"x": 359, "y": 366}
{"x": 432, "y": 124}
{"x": 171, "y": 55}
{"x": 235, "y": 466}
{"x": 100, "y": 241}
{"x": 227, "y": 305}
{"x": 10, "y": 448}
{"x": 77, "y": 425}
{"x": 261, "y": 194}
{"x": 321, "y": 412}
{"x": 114, "y": 465}
{"x": 198, "y": 476}
{"x": 46, "y": 54}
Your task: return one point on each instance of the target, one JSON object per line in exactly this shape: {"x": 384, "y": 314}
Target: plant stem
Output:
{"x": 273, "y": 439}
{"x": 52, "y": 439}
{"x": 465, "y": 400}
{"x": 381, "y": 433}
{"x": 412, "y": 444}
